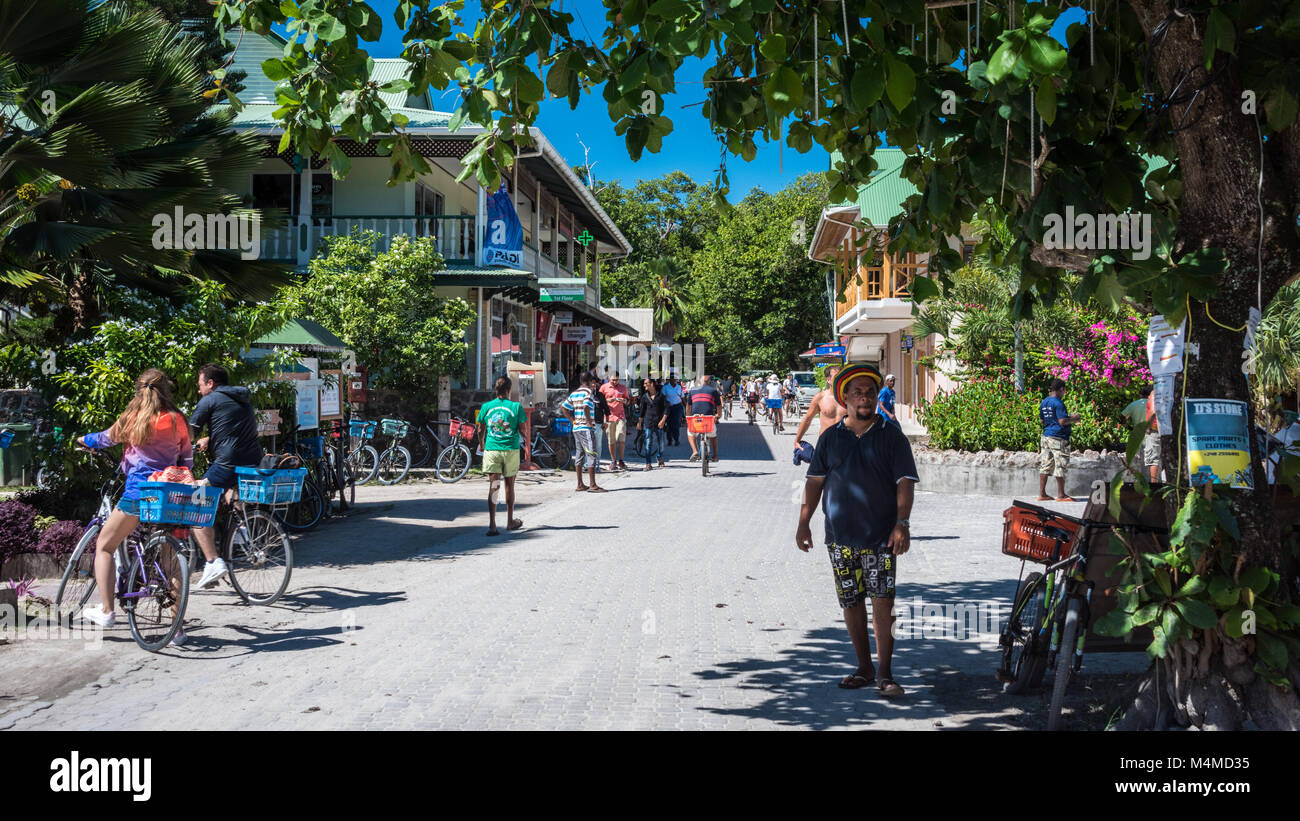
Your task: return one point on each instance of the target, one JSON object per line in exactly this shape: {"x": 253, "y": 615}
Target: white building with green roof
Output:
{"x": 873, "y": 311}
{"x": 567, "y": 234}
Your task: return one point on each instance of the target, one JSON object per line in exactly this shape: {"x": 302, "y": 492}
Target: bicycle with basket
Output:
{"x": 1054, "y": 607}
{"x": 455, "y": 459}
{"x": 256, "y": 547}
{"x": 152, "y": 566}
{"x": 701, "y": 426}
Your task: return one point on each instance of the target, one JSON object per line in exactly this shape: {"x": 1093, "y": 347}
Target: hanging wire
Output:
{"x": 816, "y": 84}
{"x": 1157, "y": 104}
{"x": 927, "y": 37}
{"x": 848, "y": 47}
{"x": 979, "y": 15}
{"x": 1032, "y": 117}
{"x": 1092, "y": 25}
{"x": 968, "y": 37}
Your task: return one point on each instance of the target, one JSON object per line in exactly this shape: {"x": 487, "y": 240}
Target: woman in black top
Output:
{"x": 653, "y": 412}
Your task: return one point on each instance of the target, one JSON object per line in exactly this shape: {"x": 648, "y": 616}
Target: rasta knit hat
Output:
{"x": 850, "y": 372}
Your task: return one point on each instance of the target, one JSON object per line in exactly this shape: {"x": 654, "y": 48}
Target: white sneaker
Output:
{"x": 96, "y": 615}
{"x": 212, "y": 573}
{"x": 178, "y": 639}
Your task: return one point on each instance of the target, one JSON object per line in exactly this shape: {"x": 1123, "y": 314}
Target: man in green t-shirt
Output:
{"x": 501, "y": 420}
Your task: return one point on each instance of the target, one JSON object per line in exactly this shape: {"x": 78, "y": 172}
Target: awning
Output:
{"x": 471, "y": 276}
{"x": 591, "y": 316}
{"x": 304, "y": 334}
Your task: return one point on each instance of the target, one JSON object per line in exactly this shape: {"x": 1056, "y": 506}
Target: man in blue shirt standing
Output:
{"x": 885, "y": 405}
{"x": 1054, "y": 447}
{"x": 865, "y": 469}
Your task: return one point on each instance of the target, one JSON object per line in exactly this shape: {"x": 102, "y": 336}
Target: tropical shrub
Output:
{"x": 60, "y": 538}
{"x": 17, "y": 528}
{"x": 989, "y": 414}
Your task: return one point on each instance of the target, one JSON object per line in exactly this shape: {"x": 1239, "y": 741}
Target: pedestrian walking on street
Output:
{"x": 886, "y": 402}
{"x": 619, "y": 400}
{"x": 866, "y": 471}
{"x": 652, "y": 409}
{"x": 600, "y": 417}
{"x": 502, "y": 420}
{"x": 1054, "y": 446}
{"x": 674, "y": 395}
{"x": 580, "y": 410}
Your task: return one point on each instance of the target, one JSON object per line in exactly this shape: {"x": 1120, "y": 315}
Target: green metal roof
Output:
{"x": 305, "y": 333}
{"x": 258, "y": 115}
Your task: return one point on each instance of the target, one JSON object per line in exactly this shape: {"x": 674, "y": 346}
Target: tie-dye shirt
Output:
{"x": 168, "y": 445}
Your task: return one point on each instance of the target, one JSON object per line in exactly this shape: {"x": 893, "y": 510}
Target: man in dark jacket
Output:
{"x": 227, "y": 411}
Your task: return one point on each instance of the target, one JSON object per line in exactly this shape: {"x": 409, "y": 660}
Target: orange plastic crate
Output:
{"x": 1036, "y": 534}
{"x": 699, "y": 424}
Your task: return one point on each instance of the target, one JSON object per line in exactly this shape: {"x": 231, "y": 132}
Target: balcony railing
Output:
{"x": 893, "y": 280}
{"x": 452, "y": 233}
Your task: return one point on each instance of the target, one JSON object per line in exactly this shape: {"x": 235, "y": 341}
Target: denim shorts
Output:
{"x": 130, "y": 507}
{"x": 221, "y": 476}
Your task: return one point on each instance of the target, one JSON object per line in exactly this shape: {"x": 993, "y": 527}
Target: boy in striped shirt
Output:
{"x": 580, "y": 409}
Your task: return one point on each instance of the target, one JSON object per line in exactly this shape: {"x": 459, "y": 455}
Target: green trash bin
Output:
{"x": 15, "y": 460}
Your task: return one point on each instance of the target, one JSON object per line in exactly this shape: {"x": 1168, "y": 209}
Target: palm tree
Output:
{"x": 664, "y": 293}
{"x": 103, "y": 125}
{"x": 1277, "y": 343}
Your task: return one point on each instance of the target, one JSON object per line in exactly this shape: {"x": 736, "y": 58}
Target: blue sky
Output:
{"x": 690, "y": 148}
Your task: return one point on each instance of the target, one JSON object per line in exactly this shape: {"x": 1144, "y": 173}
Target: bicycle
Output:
{"x": 395, "y": 460}
{"x": 426, "y": 443}
{"x": 257, "y": 551}
{"x": 1052, "y": 608}
{"x": 552, "y": 452}
{"x": 775, "y": 415}
{"x": 455, "y": 459}
{"x": 700, "y": 426}
{"x": 157, "y": 579}
{"x": 362, "y": 457}
{"x": 751, "y": 408}
{"x": 310, "y": 507}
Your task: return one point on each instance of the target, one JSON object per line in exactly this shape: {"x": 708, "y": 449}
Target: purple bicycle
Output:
{"x": 153, "y": 576}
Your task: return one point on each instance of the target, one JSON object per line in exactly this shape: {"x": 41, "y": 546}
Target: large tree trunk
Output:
{"x": 1211, "y": 682}
{"x": 82, "y": 299}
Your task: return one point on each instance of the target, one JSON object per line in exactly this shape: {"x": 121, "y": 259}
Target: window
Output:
{"x": 280, "y": 191}
{"x": 427, "y": 201}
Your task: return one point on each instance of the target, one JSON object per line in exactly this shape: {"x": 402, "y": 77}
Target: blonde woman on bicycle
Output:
{"x": 156, "y": 436}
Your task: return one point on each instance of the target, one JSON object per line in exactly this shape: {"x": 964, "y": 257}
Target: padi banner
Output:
{"x": 504, "y": 243}
{"x": 1218, "y": 442}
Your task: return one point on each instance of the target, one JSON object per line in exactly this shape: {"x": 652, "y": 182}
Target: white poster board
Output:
{"x": 1165, "y": 347}
{"x": 563, "y": 317}
{"x": 580, "y": 334}
{"x": 329, "y": 395}
{"x": 1163, "y": 391}
{"x": 308, "y": 412}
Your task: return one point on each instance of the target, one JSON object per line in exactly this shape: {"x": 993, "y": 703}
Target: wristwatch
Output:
{"x": 905, "y": 523}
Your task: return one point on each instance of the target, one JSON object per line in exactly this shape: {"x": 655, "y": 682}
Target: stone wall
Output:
{"x": 1007, "y": 473}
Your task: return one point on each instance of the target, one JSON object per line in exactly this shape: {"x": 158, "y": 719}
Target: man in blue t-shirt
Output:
{"x": 885, "y": 404}
{"x": 1054, "y": 447}
{"x": 864, "y": 469}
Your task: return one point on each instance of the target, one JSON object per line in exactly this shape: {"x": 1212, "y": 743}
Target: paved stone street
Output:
{"x": 671, "y": 602}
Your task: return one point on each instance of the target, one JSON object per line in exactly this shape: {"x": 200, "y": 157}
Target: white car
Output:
{"x": 807, "y": 382}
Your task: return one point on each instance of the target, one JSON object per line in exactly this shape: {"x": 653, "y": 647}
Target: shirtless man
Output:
{"x": 824, "y": 406}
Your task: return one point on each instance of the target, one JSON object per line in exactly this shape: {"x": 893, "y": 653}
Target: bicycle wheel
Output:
{"x": 394, "y": 464}
{"x": 1064, "y": 663}
{"x": 1024, "y": 658}
{"x": 702, "y": 444}
{"x": 422, "y": 449}
{"x": 260, "y": 557}
{"x": 453, "y": 462}
{"x": 365, "y": 461}
{"x": 157, "y": 592}
{"x": 307, "y": 512}
{"x": 78, "y": 582}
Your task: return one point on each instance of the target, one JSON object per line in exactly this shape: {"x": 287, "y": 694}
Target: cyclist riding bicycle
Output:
{"x": 774, "y": 400}
{"x": 705, "y": 400}
{"x": 790, "y": 391}
{"x": 752, "y": 396}
{"x": 153, "y": 431}
{"x": 232, "y": 442}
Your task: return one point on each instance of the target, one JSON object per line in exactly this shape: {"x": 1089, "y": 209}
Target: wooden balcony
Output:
{"x": 453, "y": 234}
{"x": 890, "y": 280}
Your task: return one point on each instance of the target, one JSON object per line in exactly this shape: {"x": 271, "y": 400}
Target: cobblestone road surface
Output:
{"x": 671, "y": 602}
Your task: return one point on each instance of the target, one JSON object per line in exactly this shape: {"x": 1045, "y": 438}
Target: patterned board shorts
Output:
{"x": 1151, "y": 449}
{"x": 862, "y": 572}
{"x": 585, "y": 453}
{"x": 1053, "y": 456}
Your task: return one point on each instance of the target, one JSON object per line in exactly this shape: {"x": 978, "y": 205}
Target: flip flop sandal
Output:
{"x": 515, "y": 524}
{"x": 494, "y": 532}
{"x": 598, "y": 490}
{"x": 856, "y": 681}
{"x": 889, "y": 688}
